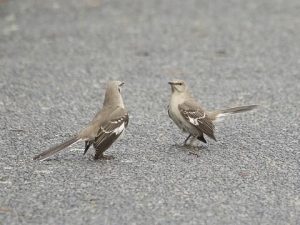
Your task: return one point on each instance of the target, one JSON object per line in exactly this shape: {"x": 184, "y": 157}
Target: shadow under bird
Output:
{"x": 107, "y": 125}
{"x": 190, "y": 117}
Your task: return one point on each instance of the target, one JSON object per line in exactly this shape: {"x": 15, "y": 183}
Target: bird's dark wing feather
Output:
{"x": 193, "y": 114}
{"x": 110, "y": 131}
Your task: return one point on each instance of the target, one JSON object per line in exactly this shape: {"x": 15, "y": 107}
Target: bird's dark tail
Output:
{"x": 220, "y": 114}
{"x": 51, "y": 151}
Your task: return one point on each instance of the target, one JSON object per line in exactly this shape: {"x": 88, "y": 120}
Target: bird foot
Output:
{"x": 104, "y": 157}
{"x": 194, "y": 153}
{"x": 186, "y": 144}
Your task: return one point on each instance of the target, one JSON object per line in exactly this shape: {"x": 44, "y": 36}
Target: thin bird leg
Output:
{"x": 192, "y": 141}
{"x": 194, "y": 150}
{"x": 87, "y": 146}
{"x": 185, "y": 142}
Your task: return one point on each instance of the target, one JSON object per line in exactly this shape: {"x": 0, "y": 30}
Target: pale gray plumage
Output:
{"x": 190, "y": 117}
{"x": 103, "y": 130}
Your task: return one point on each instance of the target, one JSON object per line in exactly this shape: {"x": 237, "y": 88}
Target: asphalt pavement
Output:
{"x": 55, "y": 59}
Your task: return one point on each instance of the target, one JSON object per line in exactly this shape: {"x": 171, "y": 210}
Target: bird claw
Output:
{"x": 194, "y": 153}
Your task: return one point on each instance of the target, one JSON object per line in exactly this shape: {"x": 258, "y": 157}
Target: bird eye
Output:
{"x": 180, "y": 83}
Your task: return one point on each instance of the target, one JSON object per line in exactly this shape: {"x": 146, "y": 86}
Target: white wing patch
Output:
{"x": 105, "y": 131}
{"x": 196, "y": 121}
{"x": 117, "y": 121}
{"x": 193, "y": 121}
{"x": 119, "y": 129}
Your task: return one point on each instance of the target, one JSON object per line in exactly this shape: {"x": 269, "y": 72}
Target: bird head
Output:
{"x": 178, "y": 86}
{"x": 115, "y": 84}
{"x": 113, "y": 94}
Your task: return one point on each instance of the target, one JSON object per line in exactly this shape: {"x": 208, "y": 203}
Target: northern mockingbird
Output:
{"x": 188, "y": 115}
{"x": 103, "y": 130}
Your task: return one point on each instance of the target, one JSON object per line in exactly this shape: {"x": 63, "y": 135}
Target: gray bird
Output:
{"x": 103, "y": 130}
{"x": 190, "y": 117}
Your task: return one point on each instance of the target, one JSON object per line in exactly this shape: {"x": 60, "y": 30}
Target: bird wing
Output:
{"x": 196, "y": 116}
{"x": 112, "y": 128}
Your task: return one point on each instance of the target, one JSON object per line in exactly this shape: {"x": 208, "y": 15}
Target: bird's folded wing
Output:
{"x": 193, "y": 114}
{"x": 112, "y": 128}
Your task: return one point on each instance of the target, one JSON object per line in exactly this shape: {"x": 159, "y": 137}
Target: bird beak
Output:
{"x": 122, "y": 83}
{"x": 172, "y": 86}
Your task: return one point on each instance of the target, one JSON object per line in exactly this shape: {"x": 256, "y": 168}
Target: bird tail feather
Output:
{"x": 57, "y": 148}
{"x": 220, "y": 114}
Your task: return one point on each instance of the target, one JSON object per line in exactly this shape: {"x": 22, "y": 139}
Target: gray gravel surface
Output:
{"x": 55, "y": 58}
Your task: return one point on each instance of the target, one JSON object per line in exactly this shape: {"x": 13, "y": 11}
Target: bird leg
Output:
{"x": 194, "y": 150}
{"x": 185, "y": 142}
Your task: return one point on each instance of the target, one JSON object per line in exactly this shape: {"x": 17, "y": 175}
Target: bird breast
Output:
{"x": 175, "y": 113}
{"x": 176, "y": 116}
